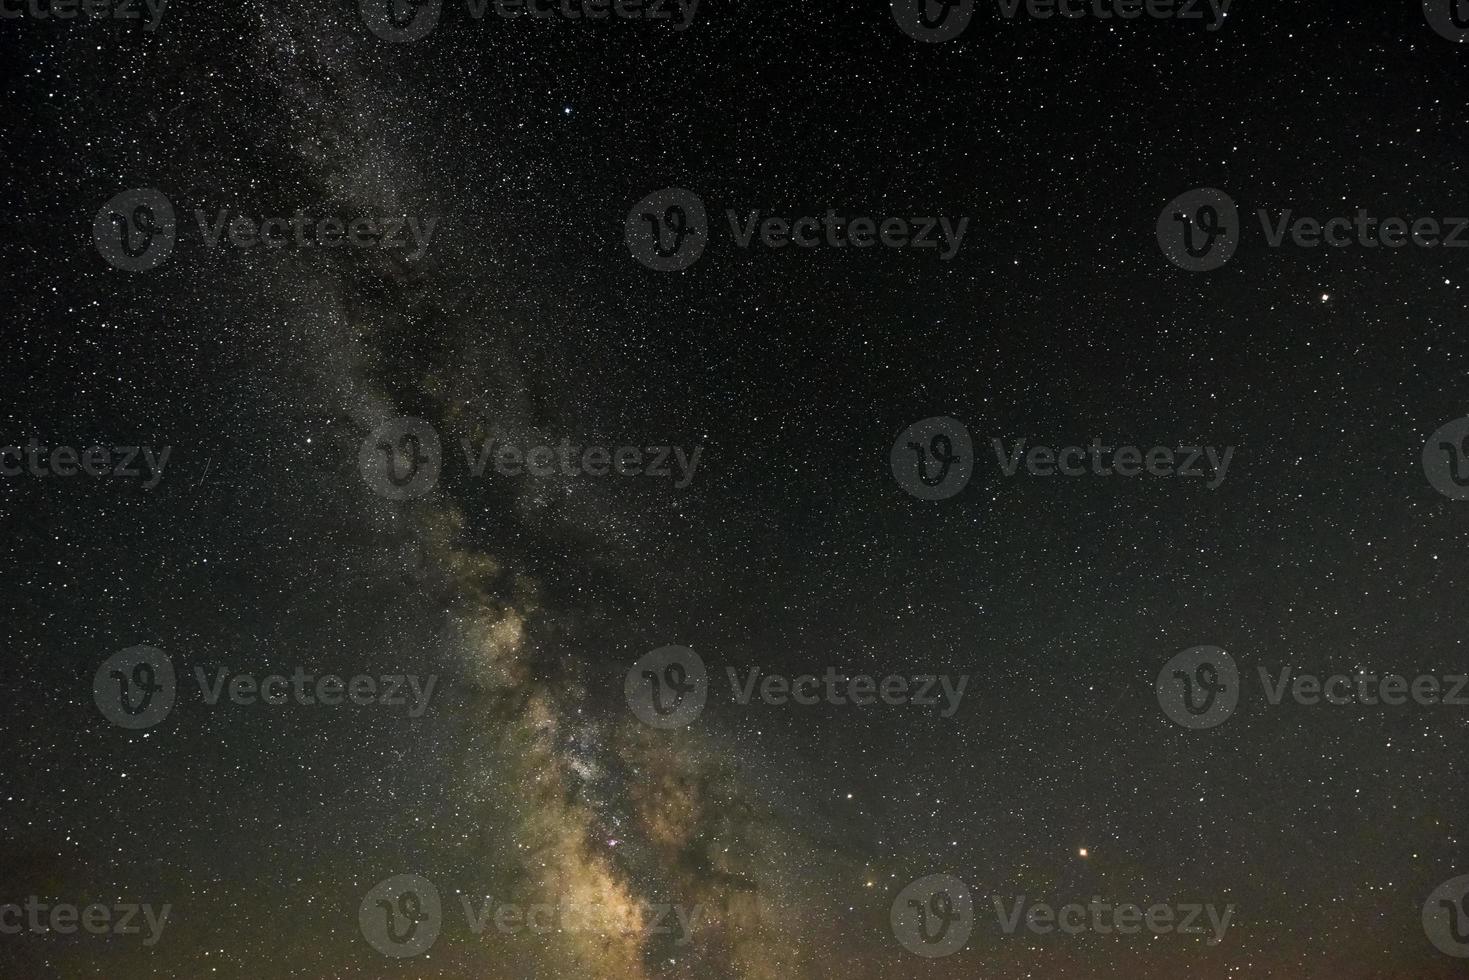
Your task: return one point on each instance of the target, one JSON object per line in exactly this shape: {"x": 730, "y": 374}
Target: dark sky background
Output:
{"x": 794, "y": 549}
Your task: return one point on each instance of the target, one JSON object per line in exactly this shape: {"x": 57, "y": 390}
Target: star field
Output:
{"x": 282, "y": 537}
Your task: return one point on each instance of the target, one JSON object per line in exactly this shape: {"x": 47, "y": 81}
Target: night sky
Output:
{"x": 300, "y": 525}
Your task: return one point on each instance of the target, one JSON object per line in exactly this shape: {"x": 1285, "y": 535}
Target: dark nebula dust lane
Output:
{"x": 748, "y": 490}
